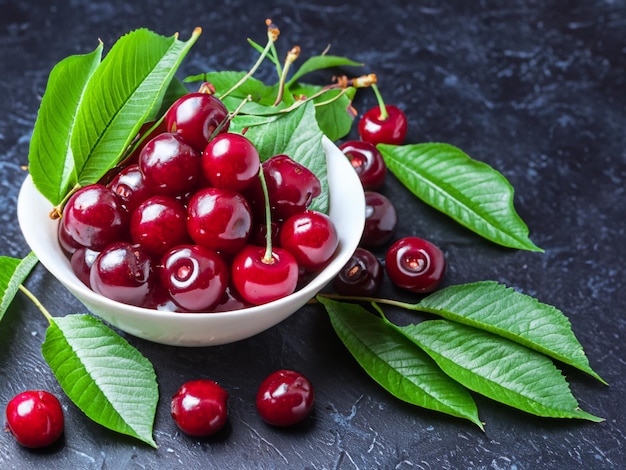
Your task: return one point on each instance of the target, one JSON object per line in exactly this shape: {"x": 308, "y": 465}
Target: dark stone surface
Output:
{"x": 534, "y": 88}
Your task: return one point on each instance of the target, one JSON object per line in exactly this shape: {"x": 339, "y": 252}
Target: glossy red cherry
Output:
{"x": 260, "y": 280}
{"x": 230, "y": 161}
{"x": 285, "y": 398}
{"x": 219, "y": 219}
{"x": 361, "y": 276}
{"x": 195, "y": 117}
{"x": 380, "y": 220}
{"x": 158, "y": 224}
{"x": 378, "y": 129}
{"x": 310, "y": 237}
{"x": 200, "y": 407}
{"x": 81, "y": 261}
{"x": 415, "y": 264}
{"x": 35, "y": 418}
{"x": 367, "y": 161}
{"x": 122, "y": 272}
{"x": 170, "y": 165}
{"x": 195, "y": 277}
{"x": 130, "y": 187}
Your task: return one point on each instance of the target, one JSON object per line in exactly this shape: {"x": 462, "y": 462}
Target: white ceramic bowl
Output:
{"x": 347, "y": 211}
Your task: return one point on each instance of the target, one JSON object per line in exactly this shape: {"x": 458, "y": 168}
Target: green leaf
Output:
{"x": 396, "y": 363}
{"x": 470, "y": 192}
{"x": 498, "y": 368}
{"x": 108, "y": 379}
{"x": 295, "y": 134}
{"x": 13, "y": 272}
{"x": 320, "y": 62}
{"x": 50, "y": 157}
{"x": 125, "y": 91}
{"x": 493, "y": 307}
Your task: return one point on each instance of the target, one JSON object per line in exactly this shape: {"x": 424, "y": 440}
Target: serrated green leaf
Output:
{"x": 396, "y": 363}
{"x": 13, "y": 272}
{"x": 320, "y": 62}
{"x": 498, "y": 368}
{"x": 124, "y": 92}
{"x": 50, "y": 156}
{"x": 108, "y": 379}
{"x": 470, "y": 192}
{"x": 493, "y": 307}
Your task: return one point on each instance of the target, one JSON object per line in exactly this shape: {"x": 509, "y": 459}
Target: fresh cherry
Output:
{"x": 388, "y": 127}
{"x": 130, "y": 186}
{"x": 230, "y": 161}
{"x": 196, "y": 116}
{"x": 285, "y": 398}
{"x": 35, "y": 418}
{"x": 362, "y": 275}
{"x": 259, "y": 278}
{"x": 195, "y": 277}
{"x": 81, "y": 261}
{"x": 380, "y": 220}
{"x": 158, "y": 224}
{"x": 170, "y": 165}
{"x": 94, "y": 217}
{"x": 200, "y": 407}
{"x": 415, "y": 264}
{"x": 122, "y": 272}
{"x": 367, "y": 161}
{"x": 310, "y": 237}
{"x": 219, "y": 219}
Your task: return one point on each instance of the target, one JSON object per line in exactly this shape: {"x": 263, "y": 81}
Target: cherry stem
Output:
{"x": 57, "y": 211}
{"x": 267, "y": 257}
{"x": 37, "y": 303}
{"x": 381, "y": 103}
{"x": 272, "y": 36}
{"x": 292, "y": 55}
{"x": 229, "y": 117}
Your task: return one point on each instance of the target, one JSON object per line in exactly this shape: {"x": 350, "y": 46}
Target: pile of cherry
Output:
{"x": 183, "y": 225}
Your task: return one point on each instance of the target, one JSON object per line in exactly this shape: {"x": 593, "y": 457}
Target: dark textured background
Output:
{"x": 536, "y": 89}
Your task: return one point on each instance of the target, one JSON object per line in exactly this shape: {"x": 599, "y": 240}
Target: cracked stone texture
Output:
{"x": 535, "y": 89}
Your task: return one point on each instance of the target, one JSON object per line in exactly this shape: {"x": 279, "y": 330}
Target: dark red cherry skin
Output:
{"x": 158, "y": 224}
{"x": 231, "y": 300}
{"x": 81, "y": 261}
{"x": 35, "y": 418}
{"x": 391, "y": 130}
{"x": 380, "y": 220}
{"x": 122, "y": 272}
{"x": 259, "y": 281}
{"x": 170, "y": 165}
{"x": 415, "y": 264}
{"x": 367, "y": 161}
{"x": 94, "y": 217}
{"x": 66, "y": 242}
{"x": 130, "y": 187}
{"x": 219, "y": 219}
{"x": 200, "y": 407}
{"x": 285, "y": 398}
{"x": 291, "y": 188}
{"x": 195, "y": 117}
{"x": 195, "y": 277}
{"x": 311, "y": 238}
{"x": 361, "y": 276}
{"x": 230, "y": 161}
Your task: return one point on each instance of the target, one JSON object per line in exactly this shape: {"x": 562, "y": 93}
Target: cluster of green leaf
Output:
{"x": 493, "y": 341}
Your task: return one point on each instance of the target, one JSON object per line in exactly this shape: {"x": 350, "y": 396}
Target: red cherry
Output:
{"x": 130, "y": 187}
{"x": 378, "y": 129}
{"x": 362, "y": 275}
{"x": 259, "y": 280}
{"x": 310, "y": 237}
{"x": 380, "y": 220}
{"x": 415, "y": 264}
{"x": 285, "y": 398}
{"x": 35, "y": 418}
{"x": 199, "y": 407}
{"x": 230, "y": 161}
{"x": 367, "y": 161}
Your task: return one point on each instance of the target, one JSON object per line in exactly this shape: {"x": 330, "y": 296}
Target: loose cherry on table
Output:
{"x": 367, "y": 161}
{"x": 361, "y": 276}
{"x": 384, "y": 124}
{"x": 200, "y": 407}
{"x": 380, "y": 220}
{"x": 285, "y": 398}
{"x": 35, "y": 418}
{"x": 415, "y": 264}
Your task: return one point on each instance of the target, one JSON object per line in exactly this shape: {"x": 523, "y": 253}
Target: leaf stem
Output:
{"x": 37, "y": 303}
{"x": 354, "y": 298}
